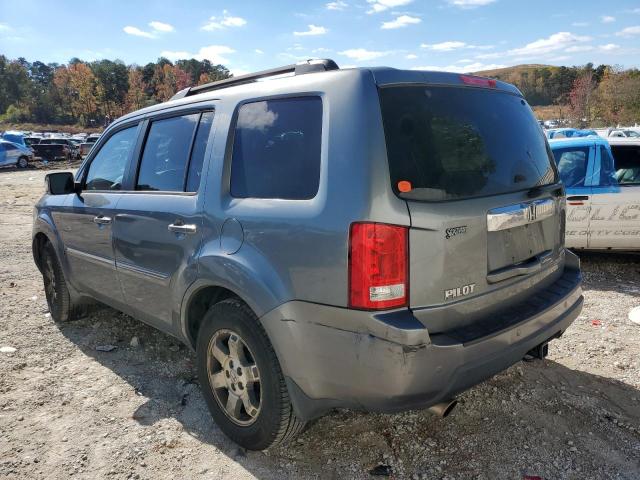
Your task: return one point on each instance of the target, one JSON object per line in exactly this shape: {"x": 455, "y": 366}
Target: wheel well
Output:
{"x": 39, "y": 241}
{"x": 199, "y": 303}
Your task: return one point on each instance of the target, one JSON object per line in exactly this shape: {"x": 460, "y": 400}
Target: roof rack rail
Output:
{"x": 307, "y": 66}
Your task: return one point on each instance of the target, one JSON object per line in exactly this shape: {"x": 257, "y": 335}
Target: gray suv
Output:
{"x": 367, "y": 238}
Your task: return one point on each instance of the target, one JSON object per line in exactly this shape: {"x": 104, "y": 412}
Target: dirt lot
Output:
{"x": 68, "y": 410}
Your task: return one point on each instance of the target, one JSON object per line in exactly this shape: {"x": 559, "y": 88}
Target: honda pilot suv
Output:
{"x": 366, "y": 238}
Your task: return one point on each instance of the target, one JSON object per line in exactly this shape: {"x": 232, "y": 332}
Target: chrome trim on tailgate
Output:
{"x": 519, "y": 214}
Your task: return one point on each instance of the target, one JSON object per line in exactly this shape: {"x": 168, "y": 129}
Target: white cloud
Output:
{"x": 579, "y": 48}
{"x": 161, "y": 27}
{"x": 258, "y": 51}
{"x": 411, "y": 56}
{"x": 321, "y": 50}
{"x": 213, "y": 53}
{"x": 135, "y": 31}
{"x": 216, "y": 23}
{"x": 629, "y": 31}
{"x": 553, "y": 43}
{"x": 607, "y": 19}
{"x": 472, "y": 67}
{"x": 580, "y": 24}
{"x": 453, "y": 45}
{"x": 609, "y": 47}
{"x": 470, "y": 3}
{"x": 400, "y": 22}
{"x": 362, "y": 54}
{"x": 382, "y": 5}
{"x": 156, "y": 27}
{"x": 444, "y": 46}
{"x": 339, "y": 5}
{"x": 4, "y": 27}
{"x": 313, "y": 30}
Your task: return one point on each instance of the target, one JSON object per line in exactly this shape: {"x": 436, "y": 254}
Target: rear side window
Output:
{"x": 107, "y": 167}
{"x": 276, "y": 149}
{"x": 452, "y": 143}
{"x": 166, "y": 152}
{"x": 572, "y": 165}
{"x": 627, "y": 163}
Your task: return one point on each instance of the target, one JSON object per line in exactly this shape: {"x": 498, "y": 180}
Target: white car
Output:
{"x": 618, "y": 133}
{"x": 602, "y": 180}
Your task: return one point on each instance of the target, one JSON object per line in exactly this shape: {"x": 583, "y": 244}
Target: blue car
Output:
{"x": 568, "y": 133}
{"x": 603, "y": 192}
{"x": 14, "y": 137}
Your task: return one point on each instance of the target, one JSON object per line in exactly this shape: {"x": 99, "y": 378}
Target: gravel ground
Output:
{"x": 68, "y": 410}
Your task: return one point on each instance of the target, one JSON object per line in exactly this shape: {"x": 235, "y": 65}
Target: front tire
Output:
{"x": 55, "y": 285}
{"x": 241, "y": 378}
{"x": 23, "y": 162}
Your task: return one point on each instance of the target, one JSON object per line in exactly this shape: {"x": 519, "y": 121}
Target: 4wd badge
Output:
{"x": 452, "y": 232}
{"x": 462, "y": 291}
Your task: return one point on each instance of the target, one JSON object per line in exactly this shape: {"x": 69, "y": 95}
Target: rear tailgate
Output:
{"x": 487, "y": 213}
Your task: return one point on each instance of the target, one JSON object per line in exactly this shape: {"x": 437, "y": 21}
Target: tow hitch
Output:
{"x": 539, "y": 352}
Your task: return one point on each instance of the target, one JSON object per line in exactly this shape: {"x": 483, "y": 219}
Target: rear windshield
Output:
{"x": 451, "y": 143}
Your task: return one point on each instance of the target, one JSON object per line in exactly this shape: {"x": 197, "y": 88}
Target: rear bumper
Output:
{"x": 387, "y": 362}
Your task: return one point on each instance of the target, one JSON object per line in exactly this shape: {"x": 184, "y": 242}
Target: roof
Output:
{"x": 578, "y": 141}
{"x": 383, "y": 76}
{"x": 623, "y": 141}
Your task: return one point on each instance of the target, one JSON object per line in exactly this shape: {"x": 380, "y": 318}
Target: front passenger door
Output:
{"x": 85, "y": 222}
{"x": 615, "y": 221}
{"x": 575, "y": 164}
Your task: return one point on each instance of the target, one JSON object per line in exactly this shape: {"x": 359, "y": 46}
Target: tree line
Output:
{"x": 597, "y": 96}
{"x": 88, "y": 93}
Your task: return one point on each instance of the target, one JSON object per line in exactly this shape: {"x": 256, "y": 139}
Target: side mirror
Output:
{"x": 61, "y": 183}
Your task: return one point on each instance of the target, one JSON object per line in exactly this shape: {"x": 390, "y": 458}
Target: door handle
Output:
{"x": 101, "y": 220}
{"x": 182, "y": 228}
{"x": 577, "y": 199}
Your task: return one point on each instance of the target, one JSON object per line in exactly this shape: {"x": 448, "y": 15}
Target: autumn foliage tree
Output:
{"x": 86, "y": 92}
{"x": 581, "y": 97}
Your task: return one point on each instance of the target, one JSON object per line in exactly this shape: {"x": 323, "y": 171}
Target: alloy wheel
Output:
{"x": 234, "y": 377}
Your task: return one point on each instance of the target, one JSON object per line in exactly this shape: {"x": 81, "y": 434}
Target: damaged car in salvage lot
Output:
{"x": 602, "y": 178}
{"x": 313, "y": 266}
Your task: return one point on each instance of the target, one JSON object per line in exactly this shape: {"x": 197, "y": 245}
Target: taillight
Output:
{"x": 378, "y": 266}
{"x": 478, "y": 81}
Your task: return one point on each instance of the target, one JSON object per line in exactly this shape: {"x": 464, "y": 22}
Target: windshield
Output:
{"x": 448, "y": 143}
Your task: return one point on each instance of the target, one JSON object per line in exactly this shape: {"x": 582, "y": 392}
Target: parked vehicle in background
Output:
{"x": 86, "y": 146}
{"x": 568, "y": 133}
{"x": 14, "y": 154}
{"x": 623, "y": 133}
{"x": 31, "y": 140}
{"x": 74, "y": 148}
{"x": 14, "y": 137}
{"x": 51, "y": 151}
{"x": 603, "y": 192}
{"x": 385, "y": 257}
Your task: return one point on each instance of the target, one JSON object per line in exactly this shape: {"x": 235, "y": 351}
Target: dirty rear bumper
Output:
{"x": 335, "y": 357}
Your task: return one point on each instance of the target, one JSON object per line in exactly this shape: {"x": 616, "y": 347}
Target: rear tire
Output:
{"x": 23, "y": 162}
{"x": 256, "y": 414}
{"x": 55, "y": 285}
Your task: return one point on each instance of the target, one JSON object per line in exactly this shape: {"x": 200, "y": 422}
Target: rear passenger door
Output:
{"x": 157, "y": 228}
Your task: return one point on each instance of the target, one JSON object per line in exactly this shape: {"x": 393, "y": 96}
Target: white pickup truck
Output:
{"x": 602, "y": 179}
